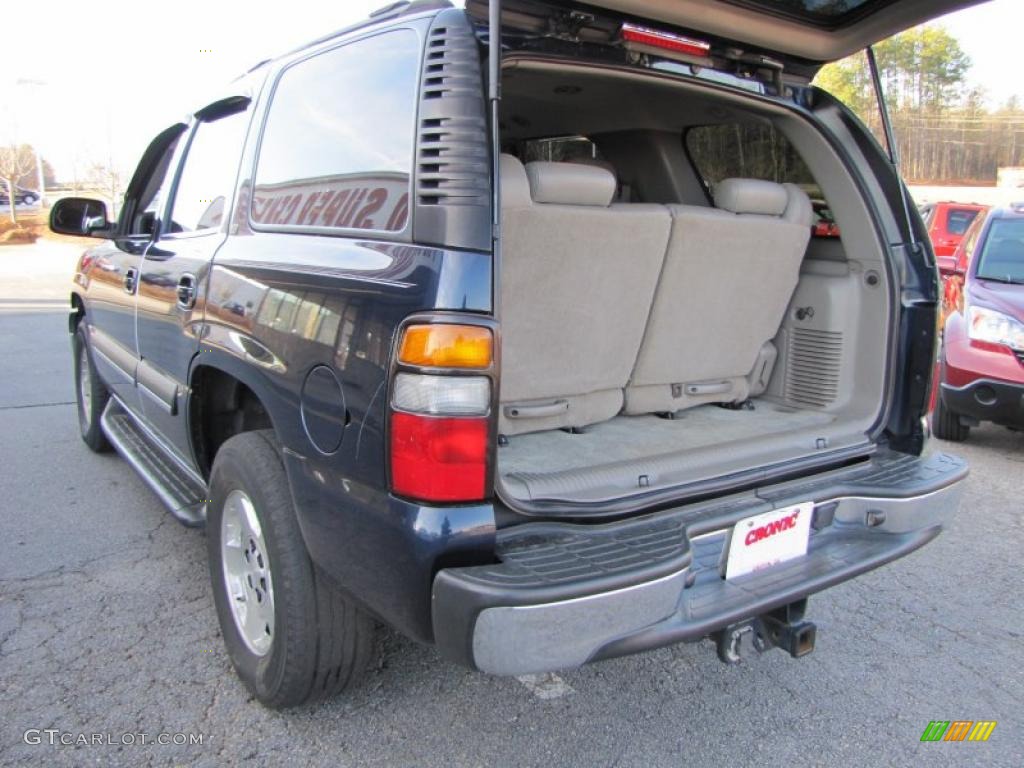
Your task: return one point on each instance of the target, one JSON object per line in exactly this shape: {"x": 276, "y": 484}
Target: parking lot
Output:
{"x": 107, "y": 627}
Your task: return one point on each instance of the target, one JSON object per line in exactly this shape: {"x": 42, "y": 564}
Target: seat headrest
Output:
{"x": 515, "y": 187}
{"x": 570, "y": 184}
{"x": 596, "y": 162}
{"x": 751, "y": 196}
{"x": 799, "y": 209}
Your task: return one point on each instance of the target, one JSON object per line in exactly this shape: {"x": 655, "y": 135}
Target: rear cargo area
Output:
{"x": 628, "y": 453}
{"x": 672, "y": 313}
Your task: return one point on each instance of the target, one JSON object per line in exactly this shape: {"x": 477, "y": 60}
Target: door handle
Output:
{"x": 131, "y": 278}
{"x": 187, "y": 291}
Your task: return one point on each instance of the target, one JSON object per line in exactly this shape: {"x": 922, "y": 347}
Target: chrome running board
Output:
{"x": 181, "y": 491}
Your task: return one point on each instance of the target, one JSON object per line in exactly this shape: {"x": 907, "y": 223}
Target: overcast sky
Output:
{"x": 86, "y": 78}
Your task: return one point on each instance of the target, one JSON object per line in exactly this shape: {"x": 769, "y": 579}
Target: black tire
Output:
{"x": 321, "y": 642}
{"x": 946, "y": 424}
{"x": 91, "y": 395}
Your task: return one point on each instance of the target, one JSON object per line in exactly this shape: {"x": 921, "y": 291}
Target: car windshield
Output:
{"x": 1002, "y": 256}
{"x": 813, "y": 10}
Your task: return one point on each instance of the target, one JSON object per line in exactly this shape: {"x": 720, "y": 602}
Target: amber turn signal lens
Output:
{"x": 447, "y": 346}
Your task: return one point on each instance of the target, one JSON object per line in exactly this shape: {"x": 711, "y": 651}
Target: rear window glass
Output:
{"x": 747, "y": 151}
{"x": 337, "y": 148}
{"x": 819, "y": 10}
{"x": 561, "y": 149}
{"x": 1002, "y": 256}
{"x": 959, "y": 221}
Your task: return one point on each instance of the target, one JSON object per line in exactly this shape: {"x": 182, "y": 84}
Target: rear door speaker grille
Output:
{"x": 814, "y": 366}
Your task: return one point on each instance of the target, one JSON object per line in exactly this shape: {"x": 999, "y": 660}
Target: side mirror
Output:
{"x": 960, "y": 262}
{"x": 80, "y": 216}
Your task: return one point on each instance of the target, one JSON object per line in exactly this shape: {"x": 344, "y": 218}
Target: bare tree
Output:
{"x": 15, "y": 162}
{"x": 108, "y": 179}
{"x": 944, "y": 131}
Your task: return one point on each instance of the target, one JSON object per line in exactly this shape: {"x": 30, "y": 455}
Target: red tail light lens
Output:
{"x": 438, "y": 459}
{"x": 441, "y": 417}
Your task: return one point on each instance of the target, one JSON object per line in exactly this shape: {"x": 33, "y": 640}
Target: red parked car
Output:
{"x": 982, "y": 361}
{"x": 947, "y": 224}
{"x": 824, "y": 221}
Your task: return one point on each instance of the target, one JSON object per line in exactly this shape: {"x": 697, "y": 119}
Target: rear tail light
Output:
{"x": 440, "y": 420}
{"x": 446, "y": 346}
{"x": 437, "y": 459}
{"x": 442, "y": 395}
{"x": 642, "y": 36}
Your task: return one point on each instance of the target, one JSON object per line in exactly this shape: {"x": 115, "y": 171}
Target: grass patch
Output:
{"x": 31, "y": 226}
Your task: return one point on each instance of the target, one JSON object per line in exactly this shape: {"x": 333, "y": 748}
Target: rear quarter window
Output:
{"x": 754, "y": 151}
{"x": 337, "y": 146}
{"x": 558, "y": 149}
{"x": 747, "y": 151}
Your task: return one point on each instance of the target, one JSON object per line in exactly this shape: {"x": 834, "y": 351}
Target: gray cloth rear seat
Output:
{"x": 728, "y": 277}
{"x": 577, "y": 279}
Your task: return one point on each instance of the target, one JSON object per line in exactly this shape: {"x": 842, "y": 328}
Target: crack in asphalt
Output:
{"x": 36, "y": 405}
{"x": 126, "y": 639}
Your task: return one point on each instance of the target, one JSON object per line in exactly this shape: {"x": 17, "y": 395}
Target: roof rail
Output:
{"x": 388, "y": 9}
{"x": 405, "y": 7}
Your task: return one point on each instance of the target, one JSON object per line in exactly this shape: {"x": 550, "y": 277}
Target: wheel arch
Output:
{"x": 226, "y": 398}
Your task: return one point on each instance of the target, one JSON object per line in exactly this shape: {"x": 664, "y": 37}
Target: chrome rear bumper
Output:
{"x": 565, "y": 595}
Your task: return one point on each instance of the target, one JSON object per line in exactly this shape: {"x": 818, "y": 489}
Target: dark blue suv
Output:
{"x": 528, "y": 350}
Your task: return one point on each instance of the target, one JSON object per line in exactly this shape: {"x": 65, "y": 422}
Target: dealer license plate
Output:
{"x": 768, "y": 539}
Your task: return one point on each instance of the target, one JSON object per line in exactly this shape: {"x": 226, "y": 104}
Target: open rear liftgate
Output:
{"x": 563, "y": 594}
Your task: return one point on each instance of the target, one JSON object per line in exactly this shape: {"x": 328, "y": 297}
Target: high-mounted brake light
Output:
{"x": 632, "y": 33}
{"x": 440, "y": 416}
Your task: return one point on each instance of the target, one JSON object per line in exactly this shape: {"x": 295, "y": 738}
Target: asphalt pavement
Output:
{"x": 108, "y": 633}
